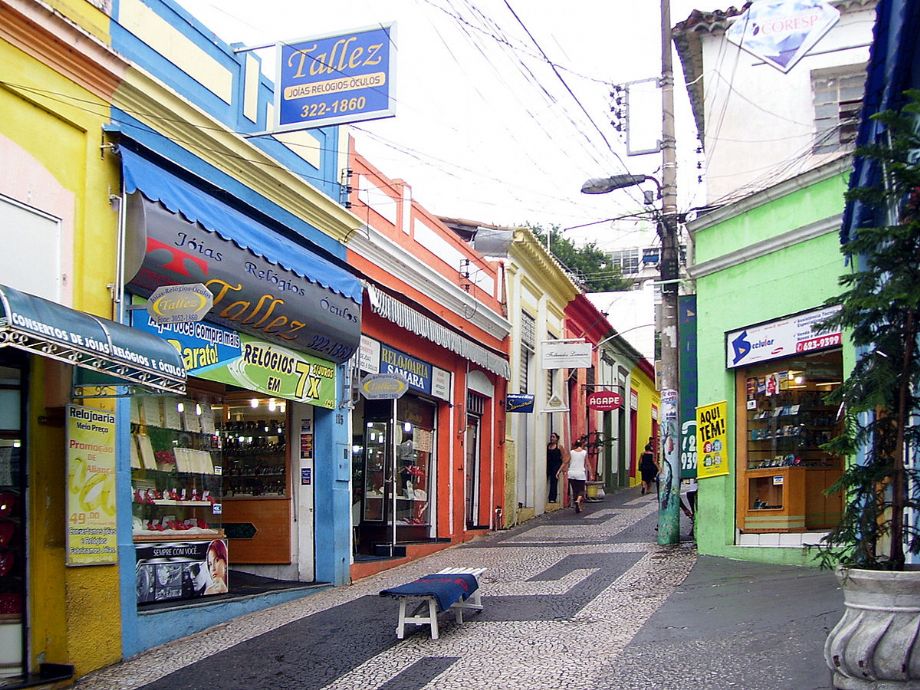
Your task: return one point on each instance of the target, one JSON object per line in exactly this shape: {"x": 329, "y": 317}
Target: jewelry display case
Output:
{"x": 176, "y": 470}
{"x": 784, "y": 420}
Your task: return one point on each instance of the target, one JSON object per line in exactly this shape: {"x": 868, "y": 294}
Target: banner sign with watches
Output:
{"x": 91, "y": 529}
{"x": 220, "y": 354}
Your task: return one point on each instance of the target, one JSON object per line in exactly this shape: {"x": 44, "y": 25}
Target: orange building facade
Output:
{"x": 427, "y": 467}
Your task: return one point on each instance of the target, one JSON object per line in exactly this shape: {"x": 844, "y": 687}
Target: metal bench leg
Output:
{"x": 475, "y": 600}
{"x": 401, "y": 625}
{"x": 433, "y": 614}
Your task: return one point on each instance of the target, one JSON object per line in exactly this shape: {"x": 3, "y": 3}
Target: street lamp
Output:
{"x": 669, "y": 497}
{"x": 603, "y": 185}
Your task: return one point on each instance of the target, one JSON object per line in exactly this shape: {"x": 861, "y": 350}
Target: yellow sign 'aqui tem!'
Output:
{"x": 712, "y": 440}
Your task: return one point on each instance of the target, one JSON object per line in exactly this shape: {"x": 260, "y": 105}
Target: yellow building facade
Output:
{"x": 57, "y": 212}
{"x": 644, "y": 401}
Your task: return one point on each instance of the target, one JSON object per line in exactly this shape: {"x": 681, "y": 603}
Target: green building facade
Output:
{"x": 763, "y": 268}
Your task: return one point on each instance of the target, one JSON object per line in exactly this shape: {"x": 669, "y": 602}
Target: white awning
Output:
{"x": 406, "y": 317}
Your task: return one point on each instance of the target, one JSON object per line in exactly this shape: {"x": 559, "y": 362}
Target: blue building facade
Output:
{"x": 247, "y": 476}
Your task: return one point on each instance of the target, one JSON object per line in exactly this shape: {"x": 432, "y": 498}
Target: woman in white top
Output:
{"x": 577, "y": 471}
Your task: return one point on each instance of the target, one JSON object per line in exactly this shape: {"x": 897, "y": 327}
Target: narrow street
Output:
{"x": 570, "y": 602}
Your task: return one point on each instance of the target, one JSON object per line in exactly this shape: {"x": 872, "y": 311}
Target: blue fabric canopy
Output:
{"x": 893, "y": 59}
{"x": 196, "y": 206}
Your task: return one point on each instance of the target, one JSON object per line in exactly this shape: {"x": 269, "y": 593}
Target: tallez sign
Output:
{"x": 179, "y": 303}
{"x": 383, "y": 386}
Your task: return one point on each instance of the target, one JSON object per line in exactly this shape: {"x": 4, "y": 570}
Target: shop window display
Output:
{"x": 12, "y": 526}
{"x": 412, "y": 465}
{"x": 176, "y": 468}
{"x": 783, "y": 422}
{"x": 256, "y": 476}
{"x": 253, "y": 440}
{"x": 12, "y": 564}
{"x": 374, "y": 474}
{"x": 393, "y": 464}
{"x": 176, "y": 491}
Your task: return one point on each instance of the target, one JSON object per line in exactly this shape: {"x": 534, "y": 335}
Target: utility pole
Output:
{"x": 669, "y": 497}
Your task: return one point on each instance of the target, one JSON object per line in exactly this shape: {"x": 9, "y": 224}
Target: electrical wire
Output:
{"x": 586, "y": 145}
{"x": 498, "y": 37}
{"x": 518, "y": 46}
{"x": 784, "y": 169}
{"x": 569, "y": 90}
{"x": 104, "y": 111}
{"x": 528, "y": 74}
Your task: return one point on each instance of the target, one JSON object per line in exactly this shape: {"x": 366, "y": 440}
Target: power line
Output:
{"x": 104, "y": 111}
{"x": 567, "y": 88}
{"x": 498, "y": 36}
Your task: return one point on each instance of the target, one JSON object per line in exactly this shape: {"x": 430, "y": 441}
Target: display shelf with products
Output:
{"x": 784, "y": 420}
{"x": 790, "y": 431}
{"x": 375, "y": 475}
{"x": 412, "y": 476}
{"x": 255, "y": 457}
{"x": 258, "y": 494}
{"x": 176, "y": 468}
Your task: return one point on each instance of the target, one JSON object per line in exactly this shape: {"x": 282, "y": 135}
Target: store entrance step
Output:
{"x": 399, "y": 550}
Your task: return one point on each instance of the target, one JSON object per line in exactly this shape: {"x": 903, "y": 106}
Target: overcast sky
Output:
{"x": 484, "y": 128}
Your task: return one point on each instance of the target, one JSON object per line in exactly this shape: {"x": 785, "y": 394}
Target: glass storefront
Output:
{"x": 197, "y": 465}
{"x": 12, "y": 524}
{"x": 783, "y": 420}
{"x": 393, "y": 478}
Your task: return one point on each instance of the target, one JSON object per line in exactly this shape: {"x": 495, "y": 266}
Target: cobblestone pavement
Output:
{"x": 563, "y": 596}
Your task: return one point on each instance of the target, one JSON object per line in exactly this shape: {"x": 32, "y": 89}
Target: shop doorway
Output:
{"x": 633, "y": 440}
{"x": 393, "y": 465}
{"x": 377, "y": 487}
{"x": 475, "y": 407}
{"x": 472, "y": 471}
{"x": 13, "y": 567}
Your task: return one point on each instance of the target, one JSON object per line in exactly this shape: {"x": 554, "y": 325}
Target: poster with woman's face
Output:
{"x": 181, "y": 570}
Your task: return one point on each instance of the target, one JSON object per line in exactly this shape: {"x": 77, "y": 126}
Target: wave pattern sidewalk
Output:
{"x": 563, "y": 596}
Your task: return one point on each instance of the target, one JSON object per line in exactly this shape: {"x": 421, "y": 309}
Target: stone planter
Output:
{"x": 594, "y": 491}
{"x": 876, "y": 645}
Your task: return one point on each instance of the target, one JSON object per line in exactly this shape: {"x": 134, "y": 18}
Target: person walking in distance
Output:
{"x": 648, "y": 468}
{"x": 576, "y": 469}
{"x": 554, "y": 457}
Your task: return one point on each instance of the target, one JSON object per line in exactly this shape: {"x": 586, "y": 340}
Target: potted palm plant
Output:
{"x": 877, "y": 642}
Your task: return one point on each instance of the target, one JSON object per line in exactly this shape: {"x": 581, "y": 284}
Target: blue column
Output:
{"x": 332, "y": 499}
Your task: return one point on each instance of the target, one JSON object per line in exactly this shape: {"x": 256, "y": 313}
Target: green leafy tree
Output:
{"x": 588, "y": 263}
{"x": 880, "y": 308}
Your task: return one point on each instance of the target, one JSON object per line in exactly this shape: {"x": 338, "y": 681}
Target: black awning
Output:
{"x": 44, "y": 328}
{"x": 263, "y": 284}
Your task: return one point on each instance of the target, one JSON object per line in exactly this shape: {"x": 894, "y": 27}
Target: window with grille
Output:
{"x": 838, "y": 95}
{"x": 528, "y": 331}
{"x": 475, "y": 404}
{"x": 528, "y": 347}
{"x": 627, "y": 260}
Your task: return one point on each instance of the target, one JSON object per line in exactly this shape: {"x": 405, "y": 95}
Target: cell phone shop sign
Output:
{"x": 798, "y": 334}
{"x": 336, "y": 78}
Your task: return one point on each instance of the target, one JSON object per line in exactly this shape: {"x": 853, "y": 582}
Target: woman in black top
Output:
{"x": 553, "y": 463}
{"x": 648, "y": 468}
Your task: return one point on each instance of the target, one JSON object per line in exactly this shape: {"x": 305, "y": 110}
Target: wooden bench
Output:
{"x": 429, "y": 601}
